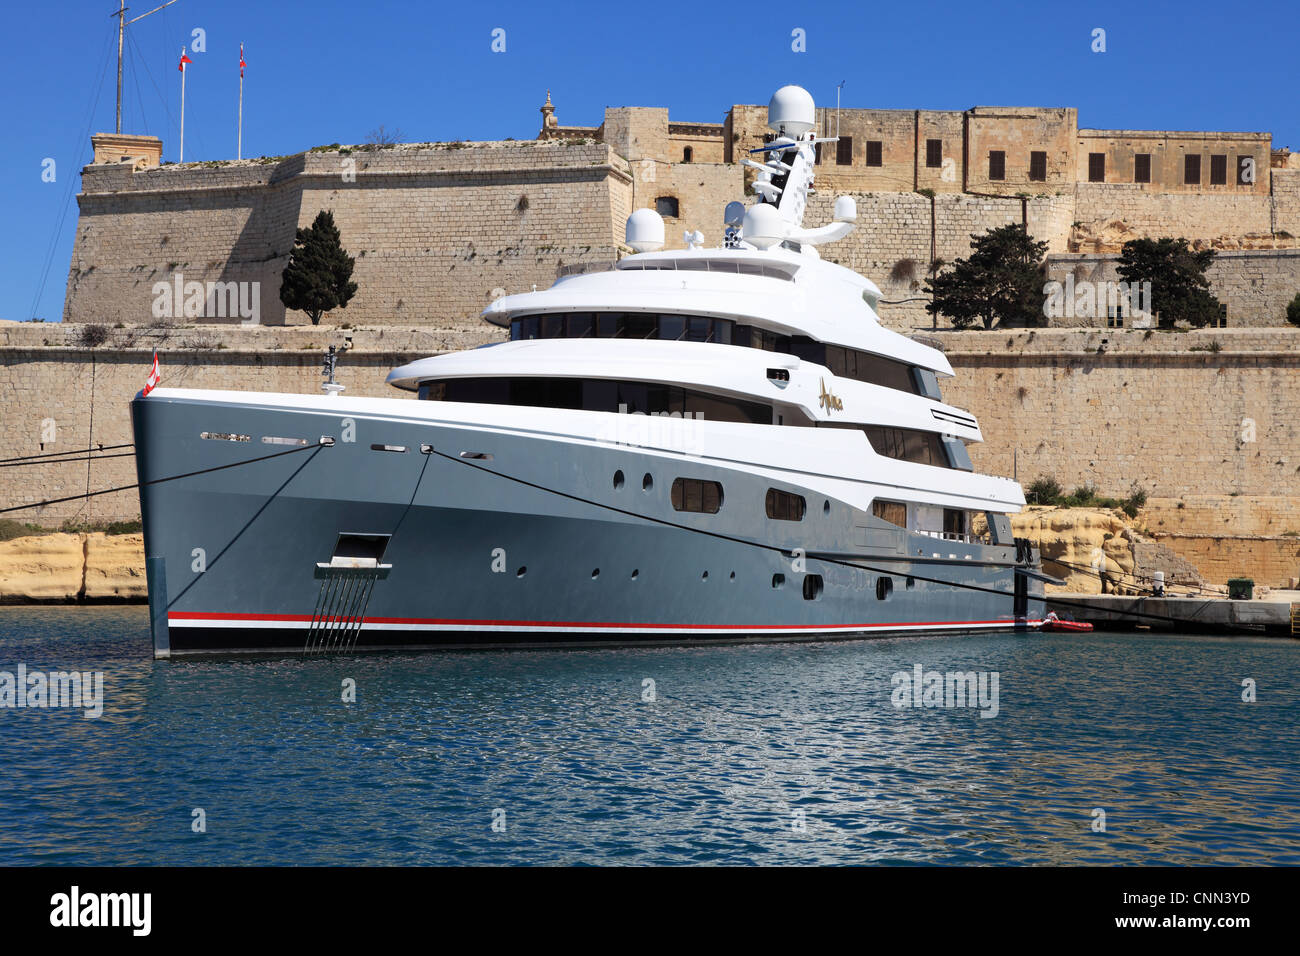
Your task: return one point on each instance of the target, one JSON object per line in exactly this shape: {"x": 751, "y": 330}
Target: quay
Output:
{"x": 1273, "y": 617}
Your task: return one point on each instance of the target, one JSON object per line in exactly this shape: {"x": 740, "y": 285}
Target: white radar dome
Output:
{"x": 763, "y": 226}
{"x": 791, "y": 111}
{"x": 645, "y": 231}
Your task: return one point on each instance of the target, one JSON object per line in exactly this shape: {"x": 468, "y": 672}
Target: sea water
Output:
{"x": 1077, "y": 749}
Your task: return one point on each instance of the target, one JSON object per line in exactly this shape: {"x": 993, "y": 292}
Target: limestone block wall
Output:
{"x": 1256, "y": 285}
{"x": 893, "y": 227}
{"x": 1190, "y": 215}
{"x": 1085, "y": 406}
{"x": 702, "y": 191}
{"x": 1286, "y": 200}
{"x": 434, "y": 228}
{"x": 1114, "y": 407}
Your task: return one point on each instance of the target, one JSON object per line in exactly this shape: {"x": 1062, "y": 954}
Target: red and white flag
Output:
{"x": 154, "y": 377}
{"x": 184, "y": 59}
{"x": 242, "y": 64}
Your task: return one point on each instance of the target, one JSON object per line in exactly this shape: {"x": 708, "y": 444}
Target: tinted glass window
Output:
{"x": 785, "y": 505}
{"x": 598, "y": 395}
{"x": 697, "y": 494}
{"x": 907, "y": 444}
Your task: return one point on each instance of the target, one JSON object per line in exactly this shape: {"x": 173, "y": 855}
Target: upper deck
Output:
{"x": 778, "y": 290}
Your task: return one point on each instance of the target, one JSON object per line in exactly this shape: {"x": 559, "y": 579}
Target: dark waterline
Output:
{"x": 1150, "y": 729}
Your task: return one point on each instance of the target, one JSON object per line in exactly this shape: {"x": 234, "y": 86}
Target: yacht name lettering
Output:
{"x": 829, "y": 400}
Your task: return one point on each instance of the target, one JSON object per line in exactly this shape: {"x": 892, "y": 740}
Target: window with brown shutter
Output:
{"x": 933, "y": 153}
{"x": 844, "y": 151}
{"x": 1037, "y": 166}
{"x": 1096, "y": 167}
{"x": 1191, "y": 170}
{"x": 997, "y": 164}
{"x": 1142, "y": 168}
{"x": 875, "y": 152}
{"x": 1219, "y": 170}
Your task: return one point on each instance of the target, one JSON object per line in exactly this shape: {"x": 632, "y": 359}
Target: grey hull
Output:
{"x": 532, "y": 545}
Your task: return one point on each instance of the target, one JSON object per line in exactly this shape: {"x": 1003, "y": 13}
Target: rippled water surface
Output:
{"x": 715, "y": 769}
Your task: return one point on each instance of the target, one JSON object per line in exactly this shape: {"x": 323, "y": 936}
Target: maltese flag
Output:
{"x": 184, "y": 59}
{"x": 154, "y": 377}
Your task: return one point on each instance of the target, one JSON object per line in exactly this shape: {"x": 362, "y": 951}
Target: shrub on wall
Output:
{"x": 1293, "y": 310}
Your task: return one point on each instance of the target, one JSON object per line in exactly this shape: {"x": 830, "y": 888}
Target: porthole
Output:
{"x": 647, "y": 482}
{"x": 521, "y": 572}
{"x": 704, "y": 576}
{"x": 826, "y": 507}
{"x": 884, "y": 587}
{"x": 911, "y": 582}
{"x": 595, "y": 573}
{"x": 812, "y": 587}
{"x": 618, "y": 480}
{"x": 636, "y": 573}
{"x": 733, "y": 575}
{"x": 778, "y": 580}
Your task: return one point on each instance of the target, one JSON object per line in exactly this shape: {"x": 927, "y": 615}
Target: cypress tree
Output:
{"x": 318, "y": 276}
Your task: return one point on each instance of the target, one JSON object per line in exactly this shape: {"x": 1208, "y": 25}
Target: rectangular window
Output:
{"x": 934, "y": 153}
{"x": 895, "y": 512}
{"x": 1142, "y": 168}
{"x": 1245, "y": 170}
{"x": 875, "y": 152}
{"x": 997, "y": 164}
{"x": 697, "y": 494}
{"x": 844, "y": 151}
{"x": 1037, "y": 166}
{"x": 1191, "y": 170}
{"x": 1096, "y": 167}
{"x": 1219, "y": 170}
{"x": 817, "y": 153}
{"x": 954, "y": 523}
{"x": 785, "y": 505}
{"x": 907, "y": 444}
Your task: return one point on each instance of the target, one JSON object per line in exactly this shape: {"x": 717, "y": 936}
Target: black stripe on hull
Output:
{"x": 228, "y": 641}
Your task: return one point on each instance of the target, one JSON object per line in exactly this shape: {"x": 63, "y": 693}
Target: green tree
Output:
{"x": 1293, "y": 310}
{"x": 1000, "y": 282}
{"x": 318, "y": 276}
{"x": 1179, "y": 289}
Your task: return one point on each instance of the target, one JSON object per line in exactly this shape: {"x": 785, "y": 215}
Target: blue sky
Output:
{"x": 330, "y": 71}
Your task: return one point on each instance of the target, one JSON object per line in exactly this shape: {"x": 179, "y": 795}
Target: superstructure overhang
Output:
{"x": 783, "y": 291}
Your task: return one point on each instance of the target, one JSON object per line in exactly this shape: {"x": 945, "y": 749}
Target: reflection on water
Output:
{"x": 759, "y": 753}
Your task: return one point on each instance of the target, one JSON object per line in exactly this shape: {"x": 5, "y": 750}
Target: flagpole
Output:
{"x": 239, "y": 149}
{"x": 182, "y": 105}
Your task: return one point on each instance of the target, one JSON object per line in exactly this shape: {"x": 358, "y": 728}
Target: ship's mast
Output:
{"x": 122, "y": 21}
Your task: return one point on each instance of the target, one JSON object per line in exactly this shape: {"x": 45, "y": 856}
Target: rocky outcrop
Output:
{"x": 72, "y": 568}
{"x": 1097, "y": 551}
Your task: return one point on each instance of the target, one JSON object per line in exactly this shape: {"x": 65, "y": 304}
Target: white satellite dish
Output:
{"x": 645, "y": 231}
{"x": 791, "y": 111}
{"x": 764, "y": 226}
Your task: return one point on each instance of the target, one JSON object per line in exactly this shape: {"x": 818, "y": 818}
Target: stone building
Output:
{"x": 439, "y": 229}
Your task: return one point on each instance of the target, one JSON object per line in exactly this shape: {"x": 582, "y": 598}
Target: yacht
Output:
{"x": 698, "y": 444}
